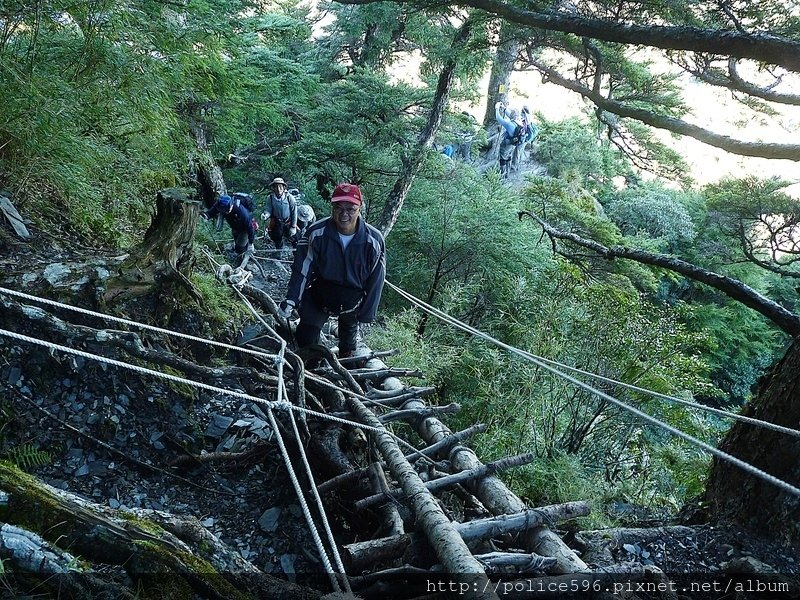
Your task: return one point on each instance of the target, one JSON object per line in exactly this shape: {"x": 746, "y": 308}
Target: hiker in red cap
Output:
{"x": 338, "y": 270}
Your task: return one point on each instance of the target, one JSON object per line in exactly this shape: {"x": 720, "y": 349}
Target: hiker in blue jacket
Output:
{"x": 516, "y": 134}
{"x": 240, "y": 221}
{"x": 338, "y": 270}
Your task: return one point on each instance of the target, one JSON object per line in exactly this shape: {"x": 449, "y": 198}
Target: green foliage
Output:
{"x": 564, "y": 478}
{"x": 572, "y": 151}
{"x": 649, "y": 153}
{"x": 743, "y": 346}
{"x": 429, "y": 354}
{"x": 28, "y": 456}
{"x": 498, "y": 278}
{"x": 221, "y": 305}
{"x": 653, "y": 213}
{"x": 760, "y": 218}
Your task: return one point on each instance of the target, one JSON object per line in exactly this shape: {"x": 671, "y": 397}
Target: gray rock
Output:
{"x": 97, "y": 468}
{"x": 55, "y": 273}
{"x": 218, "y": 426}
{"x": 269, "y": 519}
{"x": 287, "y": 564}
{"x": 14, "y": 375}
{"x": 83, "y": 470}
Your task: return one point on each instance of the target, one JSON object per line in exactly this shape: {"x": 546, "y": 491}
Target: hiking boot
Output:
{"x": 312, "y": 358}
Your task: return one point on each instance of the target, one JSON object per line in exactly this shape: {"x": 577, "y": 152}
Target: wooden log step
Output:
{"x": 359, "y": 554}
{"x": 399, "y": 399}
{"x": 440, "y": 446}
{"x": 377, "y": 374}
{"x": 442, "y": 483}
{"x": 366, "y": 357}
{"x": 498, "y": 499}
{"x": 521, "y": 563}
{"x": 343, "y": 479}
{"x": 439, "y": 531}
{"x": 406, "y": 392}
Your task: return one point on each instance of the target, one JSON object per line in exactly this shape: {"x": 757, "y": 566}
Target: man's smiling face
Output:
{"x": 345, "y": 216}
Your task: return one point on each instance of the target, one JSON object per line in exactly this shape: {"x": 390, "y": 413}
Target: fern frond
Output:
{"x": 27, "y": 456}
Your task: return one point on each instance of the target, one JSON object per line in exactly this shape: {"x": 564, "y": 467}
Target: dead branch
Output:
{"x": 412, "y": 414}
{"x": 437, "y": 485}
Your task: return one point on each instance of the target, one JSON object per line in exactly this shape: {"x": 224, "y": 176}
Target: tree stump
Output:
{"x": 161, "y": 264}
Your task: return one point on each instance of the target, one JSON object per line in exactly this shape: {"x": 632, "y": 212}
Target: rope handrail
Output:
{"x": 642, "y": 415}
{"x": 659, "y": 395}
{"x": 137, "y": 324}
{"x": 257, "y": 353}
{"x": 210, "y": 388}
{"x": 710, "y": 409}
{"x": 641, "y": 390}
{"x": 282, "y": 392}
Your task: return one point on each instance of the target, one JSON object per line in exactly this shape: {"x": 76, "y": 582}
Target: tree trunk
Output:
{"x": 413, "y": 161}
{"x": 172, "y": 558}
{"x": 649, "y": 117}
{"x": 359, "y": 554}
{"x": 733, "y": 494}
{"x": 210, "y": 182}
{"x": 502, "y": 67}
{"x": 733, "y": 288}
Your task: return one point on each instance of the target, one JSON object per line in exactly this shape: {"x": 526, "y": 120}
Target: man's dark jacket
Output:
{"x": 336, "y": 275}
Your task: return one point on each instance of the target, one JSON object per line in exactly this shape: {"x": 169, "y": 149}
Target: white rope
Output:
{"x": 654, "y": 394}
{"x": 136, "y": 324}
{"x": 320, "y": 507}
{"x": 299, "y": 493}
{"x": 282, "y": 392}
{"x": 145, "y": 326}
{"x": 644, "y": 416}
{"x": 197, "y": 384}
{"x": 717, "y": 411}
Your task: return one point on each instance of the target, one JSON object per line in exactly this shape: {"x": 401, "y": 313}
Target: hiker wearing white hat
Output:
{"x": 281, "y": 213}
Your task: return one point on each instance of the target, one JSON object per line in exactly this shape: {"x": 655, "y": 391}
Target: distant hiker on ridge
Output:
{"x": 516, "y": 134}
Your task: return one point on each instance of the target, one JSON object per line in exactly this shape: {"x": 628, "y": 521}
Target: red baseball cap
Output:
{"x": 347, "y": 192}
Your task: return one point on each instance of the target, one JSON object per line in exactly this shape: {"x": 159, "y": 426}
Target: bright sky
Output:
{"x": 713, "y": 108}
